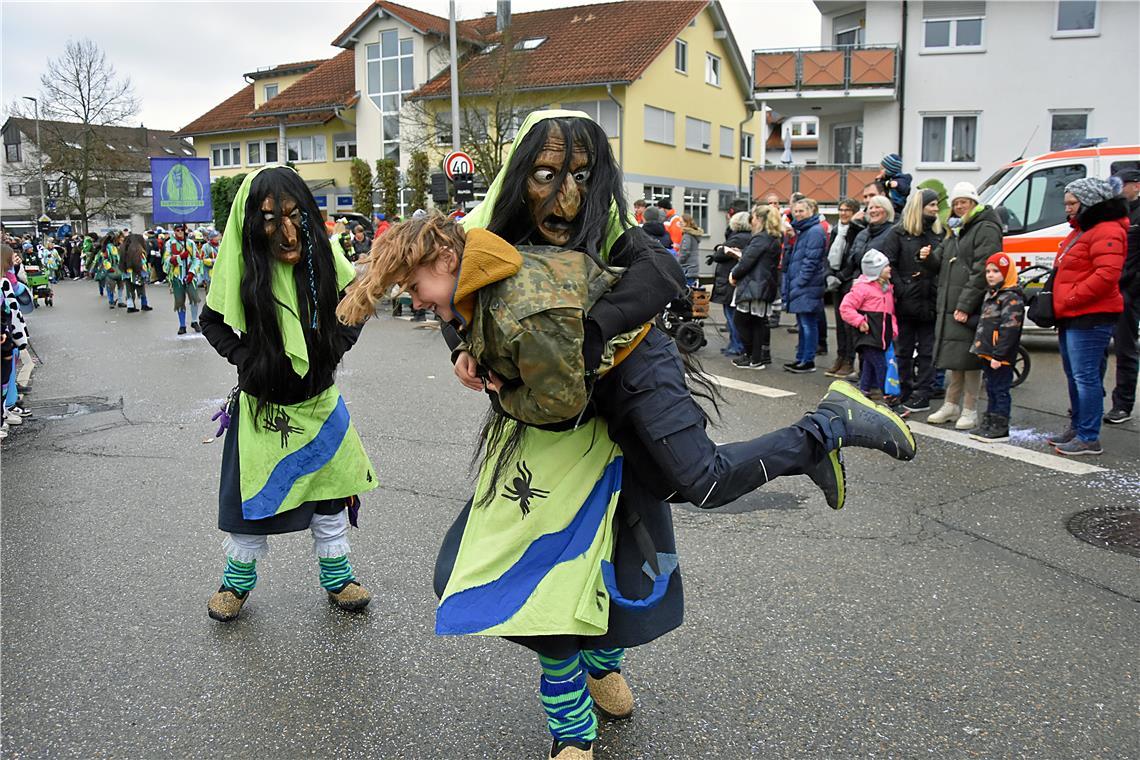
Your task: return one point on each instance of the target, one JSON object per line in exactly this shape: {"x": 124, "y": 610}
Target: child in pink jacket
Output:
{"x": 870, "y": 309}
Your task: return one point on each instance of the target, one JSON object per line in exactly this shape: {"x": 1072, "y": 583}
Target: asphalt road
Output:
{"x": 945, "y": 613}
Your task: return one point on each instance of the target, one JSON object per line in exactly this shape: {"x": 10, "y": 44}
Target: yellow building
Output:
{"x": 299, "y": 113}
{"x": 665, "y": 80}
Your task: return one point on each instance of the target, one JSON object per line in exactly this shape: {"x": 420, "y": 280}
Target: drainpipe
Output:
{"x": 621, "y": 125}
{"x": 901, "y": 68}
{"x": 751, "y": 106}
{"x": 282, "y": 151}
{"x": 763, "y": 136}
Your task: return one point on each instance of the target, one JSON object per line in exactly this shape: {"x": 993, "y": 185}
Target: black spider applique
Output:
{"x": 278, "y": 421}
{"x": 520, "y": 489}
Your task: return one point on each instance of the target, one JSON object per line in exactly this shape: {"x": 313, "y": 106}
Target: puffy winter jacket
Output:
{"x": 961, "y": 266}
{"x": 757, "y": 273}
{"x": 916, "y": 287}
{"x": 1089, "y": 263}
{"x": 867, "y": 238}
{"x": 869, "y": 304}
{"x": 688, "y": 255}
{"x": 999, "y": 327}
{"x": 722, "y": 291}
{"x": 805, "y": 270}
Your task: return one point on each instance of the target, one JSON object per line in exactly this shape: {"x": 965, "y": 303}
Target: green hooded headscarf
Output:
{"x": 480, "y": 216}
{"x": 229, "y": 269}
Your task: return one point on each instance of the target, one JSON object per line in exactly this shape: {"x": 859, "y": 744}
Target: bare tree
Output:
{"x": 490, "y": 112}
{"x": 80, "y": 93}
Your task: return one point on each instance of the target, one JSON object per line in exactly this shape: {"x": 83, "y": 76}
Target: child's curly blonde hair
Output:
{"x": 394, "y": 256}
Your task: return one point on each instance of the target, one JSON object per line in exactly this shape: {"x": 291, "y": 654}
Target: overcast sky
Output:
{"x": 186, "y": 57}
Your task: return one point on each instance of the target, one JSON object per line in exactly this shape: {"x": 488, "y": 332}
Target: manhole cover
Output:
{"x": 1113, "y": 528}
{"x": 60, "y": 408}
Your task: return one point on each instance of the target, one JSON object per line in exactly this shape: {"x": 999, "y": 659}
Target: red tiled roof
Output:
{"x": 425, "y": 22}
{"x": 589, "y": 44}
{"x": 333, "y": 83}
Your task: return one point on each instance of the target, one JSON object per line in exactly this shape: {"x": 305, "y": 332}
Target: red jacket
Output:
{"x": 1088, "y": 270}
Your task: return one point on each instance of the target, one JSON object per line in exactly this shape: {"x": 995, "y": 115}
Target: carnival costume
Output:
{"x": 182, "y": 263}
{"x": 291, "y": 459}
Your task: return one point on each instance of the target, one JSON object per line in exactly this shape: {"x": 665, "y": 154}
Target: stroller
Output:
{"x": 1031, "y": 280}
{"x": 39, "y": 283}
{"x": 683, "y": 319}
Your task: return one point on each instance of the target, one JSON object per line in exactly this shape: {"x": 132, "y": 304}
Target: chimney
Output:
{"x": 502, "y": 15}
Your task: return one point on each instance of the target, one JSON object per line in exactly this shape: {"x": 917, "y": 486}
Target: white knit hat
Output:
{"x": 965, "y": 190}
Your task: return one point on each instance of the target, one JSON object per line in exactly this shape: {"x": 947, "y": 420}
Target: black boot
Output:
{"x": 848, "y": 418}
{"x": 993, "y": 430}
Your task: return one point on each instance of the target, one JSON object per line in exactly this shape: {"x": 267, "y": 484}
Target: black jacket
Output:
{"x": 1130, "y": 275}
{"x": 722, "y": 291}
{"x": 288, "y": 388}
{"x": 915, "y": 286}
{"x": 757, "y": 274}
{"x": 867, "y": 238}
{"x": 999, "y": 326}
{"x": 657, "y": 231}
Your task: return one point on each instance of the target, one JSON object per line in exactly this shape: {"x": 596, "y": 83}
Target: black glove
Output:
{"x": 709, "y": 259}
{"x": 592, "y": 345}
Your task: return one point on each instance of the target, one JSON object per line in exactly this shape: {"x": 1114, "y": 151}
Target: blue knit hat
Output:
{"x": 892, "y": 162}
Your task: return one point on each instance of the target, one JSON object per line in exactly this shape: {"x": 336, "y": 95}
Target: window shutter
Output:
{"x": 953, "y": 9}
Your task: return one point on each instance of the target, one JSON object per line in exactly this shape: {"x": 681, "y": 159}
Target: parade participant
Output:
{"x": 561, "y": 186}
{"x": 209, "y": 252}
{"x": 51, "y": 260}
{"x": 107, "y": 269}
{"x": 87, "y": 251}
{"x": 133, "y": 273}
{"x": 182, "y": 263}
{"x": 292, "y": 459}
{"x": 515, "y": 311}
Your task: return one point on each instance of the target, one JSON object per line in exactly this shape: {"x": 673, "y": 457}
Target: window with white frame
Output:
{"x": 145, "y": 190}
{"x": 848, "y": 29}
{"x": 1068, "y": 127}
{"x": 727, "y": 141}
{"x": 15, "y": 189}
{"x": 258, "y": 152}
{"x": 952, "y": 26}
{"x": 697, "y": 206}
{"x": 344, "y": 147}
{"x": 949, "y": 138}
{"x": 307, "y": 149}
{"x": 605, "y": 112}
{"x": 530, "y": 43}
{"x": 659, "y": 126}
{"x": 698, "y": 134}
{"x": 12, "y": 153}
{"x": 654, "y": 193}
{"x": 804, "y": 129}
{"x": 712, "y": 69}
{"x": 271, "y": 91}
{"x": 681, "y": 56}
{"x": 225, "y": 155}
{"x": 1077, "y": 18}
{"x": 746, "y": 146}
{"x": 390, "y": 77}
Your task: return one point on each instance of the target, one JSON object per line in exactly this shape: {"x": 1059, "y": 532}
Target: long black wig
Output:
{"x": 314, "y": 277}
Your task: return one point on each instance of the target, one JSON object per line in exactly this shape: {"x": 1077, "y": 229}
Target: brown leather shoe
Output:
{"x": 834, "y": 368}
{"x": 351, "y": 597}
{"x": 225, "y": 604}
{"x": 570, "y": 752}
{"x": 612, "y": 696}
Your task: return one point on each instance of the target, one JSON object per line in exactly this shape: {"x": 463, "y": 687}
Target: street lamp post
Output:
{"x": 39, "y": 157}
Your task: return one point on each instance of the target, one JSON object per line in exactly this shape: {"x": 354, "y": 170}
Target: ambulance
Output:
{"x": 1029, "y": 196}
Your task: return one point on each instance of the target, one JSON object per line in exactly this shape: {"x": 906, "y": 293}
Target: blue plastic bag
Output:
{"x": 891, "y": 386}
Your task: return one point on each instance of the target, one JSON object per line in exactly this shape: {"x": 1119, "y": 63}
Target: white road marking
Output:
{"x": 1056, "y": 462}
{"x": 759, "y": 390}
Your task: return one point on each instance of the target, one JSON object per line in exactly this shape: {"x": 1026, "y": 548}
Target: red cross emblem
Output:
{"x": 1023, "y": 262}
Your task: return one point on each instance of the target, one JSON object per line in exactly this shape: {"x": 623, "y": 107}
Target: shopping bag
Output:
{"x": 891, "y": 386}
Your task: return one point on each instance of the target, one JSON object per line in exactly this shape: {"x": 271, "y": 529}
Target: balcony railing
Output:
{"x": 843, "y": 67}
{"x": 826, "y": 184}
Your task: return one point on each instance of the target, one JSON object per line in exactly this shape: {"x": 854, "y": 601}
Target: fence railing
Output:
{"x": 826, "y": 183}
{"x": 841, "y": 67}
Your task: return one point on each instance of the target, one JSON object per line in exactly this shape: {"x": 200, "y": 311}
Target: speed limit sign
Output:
{"x": 458, "y": 162}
